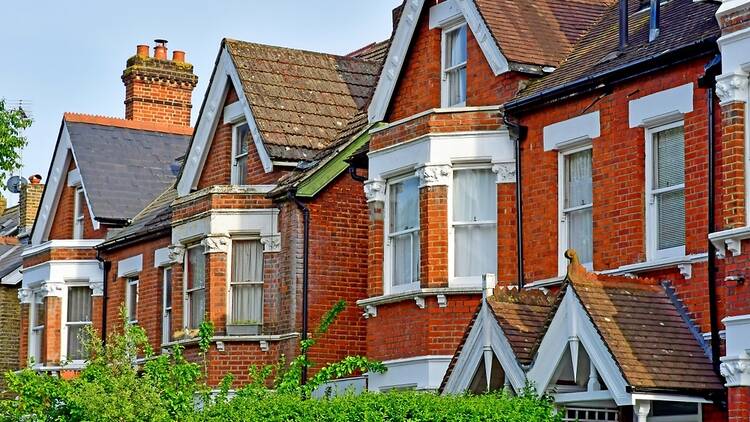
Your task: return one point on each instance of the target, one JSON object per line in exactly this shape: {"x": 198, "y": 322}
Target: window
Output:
{"x": 666, "y": 191}
{"x": 247, "y": 282}
{"x": 590, "y": 414}
{"x": 403, "y": 233}
{"x": 195, "y": 288}
{"x": 79, "y": 316}
{"x": 576, "y": 229}
{"x": 239, "y": 153}
{"x": 474, "y": 223}
{"x": 37, "y": 316}
{"x": 78, "y": 202}
{"x": 131, "y": 299}
{"x": 166, "y": 321}
{"x": 454, "y": 66}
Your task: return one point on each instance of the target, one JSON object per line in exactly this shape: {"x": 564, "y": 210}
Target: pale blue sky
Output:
{"x": 69, "y": 55}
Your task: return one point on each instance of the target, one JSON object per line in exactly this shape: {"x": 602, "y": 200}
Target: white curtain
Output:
{"x": 132, "y": 299}
{"x": 37, "y": 326}
{"x": 79, "y": 316}
{"x": 456, "y": 56}
{"x": 670, "y": 173}
{"x": 197, "y": 280}
{"x": 247, "y": 281}
{"x": 474, "y": 222}
{"x": 578, "y": 193}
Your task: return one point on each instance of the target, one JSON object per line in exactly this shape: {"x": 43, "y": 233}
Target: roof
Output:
{"x": 540, "y": 32}
{"x": 154, "y": 218}
{"x": 9, "y": 221}
{"x": 598, "y": 54}
{"x": 644, "y": 331}
{"x": 301, "y": 100}
{"x": 10, "y": 258}
{"x": 374, "y": 52}
{"x": 123, "y": 168}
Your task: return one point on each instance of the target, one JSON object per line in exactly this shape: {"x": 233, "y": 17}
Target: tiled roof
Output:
{"x": 9, "y": 221}
{"x": 123, "y": 168}
{"x": 540, "y": 32}
{"x": 301, "y": 100}
{"x": 683, "y": 23}
{"x": 373, "y": 52}
{"x": 644, "y": 332}
{"x": 155, "y": 217}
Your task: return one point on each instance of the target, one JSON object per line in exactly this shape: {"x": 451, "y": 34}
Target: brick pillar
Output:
{"x": 375, "y": 194}
{"x": 23, "y": 333}
{"x": 52, "y": 330}
{"x": 739, "y": 404}
{"x": 433, "y": 225}
{"x": 216, "y": 280}
{"x": 506, "y": 223}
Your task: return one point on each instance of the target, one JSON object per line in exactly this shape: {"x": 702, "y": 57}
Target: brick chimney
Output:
{"x": 28, "y": 202}
{"x": 3, "y": 204}
{"x": 157, "y": 89}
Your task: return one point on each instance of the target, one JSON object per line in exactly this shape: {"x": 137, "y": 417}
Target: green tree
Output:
{"x": 12, "y": 123}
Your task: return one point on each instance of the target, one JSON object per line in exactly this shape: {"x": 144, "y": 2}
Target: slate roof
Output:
{"x": 10, "y": 258}
{"x": 684, "y": 23}
{"x": 540, "y": 32}
{"x": 9, "y": 221}
{"x": 123, "y": 168}
{"x": 301, "y": 100}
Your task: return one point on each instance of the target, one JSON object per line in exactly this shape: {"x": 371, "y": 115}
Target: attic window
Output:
{"x": 454, "y": 66}
{"x": 239, "y": 153}
{"x": 78, "y": 202}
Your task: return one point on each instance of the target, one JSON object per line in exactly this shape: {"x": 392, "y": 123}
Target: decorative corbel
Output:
{"x": 371, "y": 311}
{"x": 419, "y": 300}
{"x": 271, "y": 243}
{"x": 216, "y": 243}
{"x": 434, "y": 175}
{"x": 506, "y": 172}
{"x": 375, "y": 190}
{"x": 25, "y": 295}
{"x": 442, "y": 301}
{"x": 176, "y": 253}
{"x": 97, "y": 287}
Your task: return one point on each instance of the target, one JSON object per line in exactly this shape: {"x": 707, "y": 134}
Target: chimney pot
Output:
{"x": 178, "y": 56}
{"x": 142, "y": 51}
{"x": 35, "y": 179}
{"x": 160, "y": 51}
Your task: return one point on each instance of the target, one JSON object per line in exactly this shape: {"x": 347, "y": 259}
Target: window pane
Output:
{"x": 475, "y": 250}
{"x": 79, "y": 304}
{"x": 76, "y": 350}
{"x": 168, "y": 288}
{"x": 671, "y": 224}
{"x": 197, "y": 307}
{"x": 405, "y": 258}
{"x": 241, "y": 171}
{"x": 132, "y": 300}
{"x": 578, "y": 183}
{"x": 457, "y": 86}
{"x": 242, "y": 139}
{"x": 670, "y": 157}
{"x": 247, "y": 261}
{"x": 39, "y": 309}
{"x": 474, "y": 195}
{"x": 580, "y": 234}
{"x": 404, "y": 205}
{"x": 196, "y": 267}
{"x": 247, "y": 303}
{"x": 456, "y": 47}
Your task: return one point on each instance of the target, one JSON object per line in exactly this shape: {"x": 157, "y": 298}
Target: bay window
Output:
{"x": 195, "y": 286}
{"x": 474, "y": 224}
{"x": 576, "y": 228}
{"x": 247, "y": 282}
{"x": 239, "y": 153}
{"x": 37, "y": 317}
{"x": 131, "y": 299}
{"x": 403, "y": 233}
{"x": 666, "y": 191}
{"x": 78, "y": 318}
{"x": 78, "y": 202}
{"x": 454, "y": 66}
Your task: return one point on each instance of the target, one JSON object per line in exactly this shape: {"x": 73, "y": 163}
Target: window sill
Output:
{"x": 684, "y": 263}
{"x": 227, "y": 339}
{"x": 370, "y": 304}
{"x": 729, "y": 241}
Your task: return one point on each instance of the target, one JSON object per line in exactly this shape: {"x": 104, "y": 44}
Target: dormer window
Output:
{"x": 239, "y": 153}
{"x": 454, "y": 66}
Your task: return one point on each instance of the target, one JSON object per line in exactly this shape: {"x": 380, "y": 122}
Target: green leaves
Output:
{"x": 12, "y": 140}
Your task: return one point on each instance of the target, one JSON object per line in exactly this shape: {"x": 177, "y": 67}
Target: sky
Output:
{"x": 69, "y": 55}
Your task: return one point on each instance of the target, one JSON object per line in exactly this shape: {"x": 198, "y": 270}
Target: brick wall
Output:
{"x": 739, "y": 404}
{"x": 28, "y": 201}
{"x": 10, "y": 315}
{"x": 433, "y": 236}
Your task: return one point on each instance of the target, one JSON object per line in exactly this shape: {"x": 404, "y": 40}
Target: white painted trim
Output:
{"x": 204, "y": 131}
{"x": 393, "y": 298}
{"x": 572, "y": 132}
{"x": 661, "y": 107}
{"x": 60, "y": 272}
{"x": 61, "y": 244}
{"x": 497, "y": 61}
{"x": 419, "y": 372}
{"x": 13, "y": 278}
{"x": 130, "y": 267}
{"x": 53, "y": 189}
{"x": 262, "y": 222}
{"x": 583, "y": 397}
{"x": 236, "y": 339}
{"x": 660, "y": 264}
{"x": 444, "y": 83}
{"x": 444, "y": 14}
{"x": 669, "y": 398}
{"x": 234, "y": 113}
{"x": 583, "y": 144}
{"x": 161, "y": 258}
{"x": 64, "y": 322}
{"x": 729, "y": 241}
{"x": 453, "y": 110}
{"x": 74, "y": 178}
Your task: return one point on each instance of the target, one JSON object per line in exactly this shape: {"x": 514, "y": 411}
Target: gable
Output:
{"x": 62, "y": 222}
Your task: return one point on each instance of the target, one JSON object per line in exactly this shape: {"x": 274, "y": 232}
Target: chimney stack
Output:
{"x": 624, "y": 12}
{"x": 28, "y": 202}
{"x": 654, "y": 22}
{"x": 157, "y": 89}
{"x": 3, "y": 204}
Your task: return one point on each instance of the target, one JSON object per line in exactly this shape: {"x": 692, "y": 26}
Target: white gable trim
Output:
{"x": 472, "y": 355}
{"x": 400, "y": 47}
{"x": 571, "y": 320}
{"x": 206, "y": 126}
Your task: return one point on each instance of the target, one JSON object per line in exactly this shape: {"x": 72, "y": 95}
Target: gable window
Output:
{"x": 78, "y": 201}
{"x": 78, "y": 317}
{"x": 247, "y": 282}
{"x": 576, "y": 197}
{"x": 666, "y": 190}
{"x": 37, "y": 316}
{"x": 131, "y": 299}
{"x": 166, "y": 321}
{"x": 454, "y": 66}
{"x": 403, "y": 233}
{"x": 239, "y": 153}
{"x": 474, "y": 223}
{"x": 195, "y": 286}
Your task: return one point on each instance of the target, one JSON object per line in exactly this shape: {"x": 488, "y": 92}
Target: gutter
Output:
{"x": 113, "y": 221}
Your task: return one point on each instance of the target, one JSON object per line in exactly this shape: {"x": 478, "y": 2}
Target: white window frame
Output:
{"x": 166, "y": 311}
{"x": 131, "y": 302}
{"x": 66, "y": 323}
{"x": 475, "y": 281}
{"x": 186, "y": 293}
{"x": 563, "y": 232}
{"x": 445, "y": 84}
{"x": 35, "y": 327}
{"x": 237, "y": 157}
{"x": 652, "y": 210}
{"x": 388, "y": 287}
{"x": 78, "y": 213}
{"x": 231, "y": 282}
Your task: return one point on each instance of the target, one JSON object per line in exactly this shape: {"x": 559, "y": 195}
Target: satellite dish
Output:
{"x": 15, "y": 184}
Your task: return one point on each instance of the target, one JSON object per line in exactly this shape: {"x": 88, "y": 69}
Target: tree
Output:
{"x": 12, "y": 123}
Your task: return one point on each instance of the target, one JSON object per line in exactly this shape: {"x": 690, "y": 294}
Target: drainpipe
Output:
{"x": 106, "y": 265}
{"x": 354, "y": 175}
{"x": 517, "y": 132}
{"x": 305, "y": 268}
{"x": 708, "y": 81}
